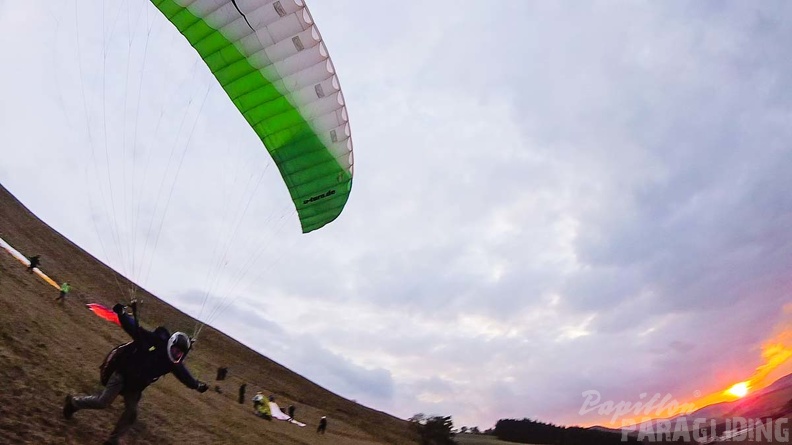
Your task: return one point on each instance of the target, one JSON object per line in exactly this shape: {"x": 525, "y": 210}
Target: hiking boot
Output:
{"x": 68, "y": 408}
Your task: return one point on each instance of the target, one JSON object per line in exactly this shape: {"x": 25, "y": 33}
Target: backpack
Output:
{"x": 114, "y": 358}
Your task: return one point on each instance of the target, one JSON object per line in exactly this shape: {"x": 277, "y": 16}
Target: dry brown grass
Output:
{"x": 48, "y": 350}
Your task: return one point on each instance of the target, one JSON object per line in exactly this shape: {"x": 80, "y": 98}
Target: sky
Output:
{"x": 550, "y": 198}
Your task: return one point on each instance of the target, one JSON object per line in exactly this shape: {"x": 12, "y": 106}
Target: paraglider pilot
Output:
{"x": 35, "y": 260}
{"x": 261, "y": 407}
{"x": 64, "y": 291}
{"x": 151, "y": 355}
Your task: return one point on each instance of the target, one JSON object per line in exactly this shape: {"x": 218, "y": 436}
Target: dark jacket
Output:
{"x": 150, "y": 359}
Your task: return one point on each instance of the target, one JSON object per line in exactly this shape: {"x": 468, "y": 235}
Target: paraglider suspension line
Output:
{"x": 242, "y": 14}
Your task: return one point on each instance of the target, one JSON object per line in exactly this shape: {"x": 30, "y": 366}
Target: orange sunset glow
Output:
{"x": 739, "y": 390}
{"x": 776, "y": 352}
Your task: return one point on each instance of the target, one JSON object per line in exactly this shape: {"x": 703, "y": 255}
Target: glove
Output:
{"x": 133, "y": 305}
{"x": 202, "y": 387}
{"x": 118, "y": 308}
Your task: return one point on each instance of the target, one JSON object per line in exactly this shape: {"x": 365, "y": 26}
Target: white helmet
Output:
{"x": 178, "y": 346}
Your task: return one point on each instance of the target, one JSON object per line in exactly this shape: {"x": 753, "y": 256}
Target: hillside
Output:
{"x": 771, "y": 403}
{"x": 48, "y": 350}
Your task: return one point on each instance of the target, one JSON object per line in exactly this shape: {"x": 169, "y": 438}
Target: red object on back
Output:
{"x": 104, "y": 312}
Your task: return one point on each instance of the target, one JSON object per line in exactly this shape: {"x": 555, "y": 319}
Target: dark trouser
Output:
{"x": 114, "y": 387}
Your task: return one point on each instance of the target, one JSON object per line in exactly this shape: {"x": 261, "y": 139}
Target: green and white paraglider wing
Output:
{"x": 270, "y": 59}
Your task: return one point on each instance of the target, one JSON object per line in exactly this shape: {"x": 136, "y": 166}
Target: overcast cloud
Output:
{"x": 549, "y": 197}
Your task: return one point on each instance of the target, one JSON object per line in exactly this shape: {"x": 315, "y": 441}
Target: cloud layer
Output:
{"x": 549, "y": 197}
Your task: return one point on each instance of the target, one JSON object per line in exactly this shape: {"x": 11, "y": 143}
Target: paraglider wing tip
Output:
{"x": 103, "y": 312}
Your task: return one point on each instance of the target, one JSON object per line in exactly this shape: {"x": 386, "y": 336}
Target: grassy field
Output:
{"x": 48, "y": 350}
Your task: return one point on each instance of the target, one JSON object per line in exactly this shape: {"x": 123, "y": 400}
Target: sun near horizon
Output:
{"x": 739, "y": 390}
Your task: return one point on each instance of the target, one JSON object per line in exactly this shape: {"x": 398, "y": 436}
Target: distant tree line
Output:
{"x": 532, "y": 431}
{"x": 439, "y": 430}
{"x": 472, "y": 430}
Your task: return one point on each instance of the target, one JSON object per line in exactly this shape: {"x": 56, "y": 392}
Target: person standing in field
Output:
{"x": 64, "y": 292}
{"x": 35, "y": 260}
{"x": 242, "y": 388}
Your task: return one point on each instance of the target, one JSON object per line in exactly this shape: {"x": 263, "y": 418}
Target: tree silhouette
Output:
{"x": 433, "y": 430}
